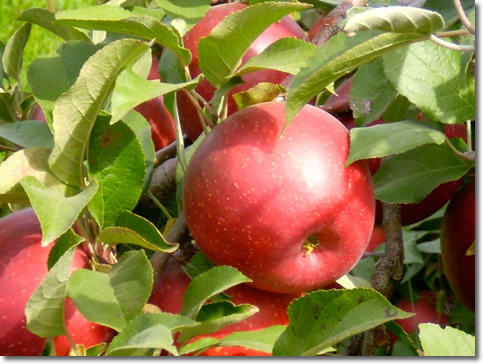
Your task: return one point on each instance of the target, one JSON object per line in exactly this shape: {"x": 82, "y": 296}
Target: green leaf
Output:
{"x": 116, "y": 163}
{"x": 26, "y": 162}
{"x": 199, "y": 345}
{"x": 326, "y": 317}
{"x": 260, "y": 340}
{"x": 50, "y": 77}
{"x": 45, "y": 308}
{"x": 430, "y": 77}
{"x": 412, "y": 255}
{"x": 76, "y": 110}
{"x": 400, "y": 19}
{"x": 208, "y": 284}
{"x": 189, "y": 10}
{"x": 448, "y": 10}
{"x": 12, "y": 55}
{"x": 431, "y": 247}
{"x": 62, "y": 245}
{"x": 27, "y": 133}
{"x": 261, "y": 92}
{"x": 370, "y": 96}
{"x": 45, "y": 19}
{"x": 147, "y": 331}
{"x": 134, "y": 229}
{"x": 392, "y": 138}
{"x": 117, "y": 20}
{"x": 94, "y": 297}
{"x": 449, "y": 341}
{"x": 56, "y": 213}
{"x": 9, "y": 103}
{"x": 411, "y": 176}
{"x": 132, "y": 90}
{"x": 132, "y": 281}
{"x": 221, "y": 51}
{"x": 338, "y": 57}
{"x": 142, "y": 129}
{"x": 286, "y": 55}
{"x": 114, "y": 298}
{"x": 215, "y": 316}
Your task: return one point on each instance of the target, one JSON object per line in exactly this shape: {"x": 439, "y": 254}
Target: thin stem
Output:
{"x": 452, "y": 33}
{"x": 464, "y": 19}
{"x": 160, "y": 205}
{"x": 469, "y": 156}
{"x": 201, "y": 115}
{"x": 469, "y": 136}
{"x": 72, "y": 343}
{"x": 205, "y": 103}
{"x": 453, "y": 46}
{"x": 7, "y": 149}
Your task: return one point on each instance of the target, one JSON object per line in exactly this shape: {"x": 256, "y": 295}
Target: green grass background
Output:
{"x": 41, "y": 42}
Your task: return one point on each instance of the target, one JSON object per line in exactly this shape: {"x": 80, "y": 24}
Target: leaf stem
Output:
{"x": 201, "y": 115}
{"x": 469, "y": 156}
{"x": 464, "y": 19}
{"x": 160, "y": 205}
{"x": 452, "y": 33}
{"x": 453, "y": 46}
{"x": 469, "y": 136}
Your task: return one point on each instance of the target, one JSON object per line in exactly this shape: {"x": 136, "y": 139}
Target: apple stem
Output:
{"x": 468, "y": 136}
{"x": 453, "y": 46}
{"x": 469, "y": 156}
{"x": 464, "y": 19}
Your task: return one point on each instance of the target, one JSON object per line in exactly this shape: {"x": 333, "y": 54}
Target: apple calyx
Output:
{"x": 310, "y": 244}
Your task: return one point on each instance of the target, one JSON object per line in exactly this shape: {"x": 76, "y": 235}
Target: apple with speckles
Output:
{"x": 457, "y": 236}
{"x": 287, "y": 27}
{"x": 23, "y": 265}
{"x": 283, "y": 209}
{"x": 172, "y": 282}
{"x": 163, "y": 130}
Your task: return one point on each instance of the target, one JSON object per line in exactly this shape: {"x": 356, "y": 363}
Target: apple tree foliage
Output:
{"x": 89, "y": 172}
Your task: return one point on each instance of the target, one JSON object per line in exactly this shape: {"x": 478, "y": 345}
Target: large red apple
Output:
{"x": 163, "y": 130}
{"x": 287, "y": 27}
{"x": 425, "y": 311}
{"x": 284, "y": 210}
{"x": 457, "y": 236}
{"x": 23, "y": 265}
{"x": 168, "y": 293}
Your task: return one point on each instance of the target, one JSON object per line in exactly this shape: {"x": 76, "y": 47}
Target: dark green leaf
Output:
{"x": 45, "y": 19}
{"x": 339, "y": 56}
{"x": 286, "y": 55}
{"x": 76, "y": 110}
{"x": 393, "y": 138}
{"x": 221, "y": 52}
{"x": 116, "y": 163}
{"x": 27, "y": 133}
{"x": 134, "y": 229}
{"x": 63, "y": 244}
{"x": 117, "y": 20}
{"x": 324, "y": 318}
{"x": 430, "y": 77}
{"x": 145, "y": 332}
{"x": 12, "y": 55}
{"x": 208, "y": 284}
{"x": 370, "y": 95}
{"x": 9, "y": 103}
{"x": 400, "y": 19}
{"x": 411, "y": 176}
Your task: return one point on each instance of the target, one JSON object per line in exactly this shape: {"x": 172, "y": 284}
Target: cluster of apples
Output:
{"x": 281, "y": 207}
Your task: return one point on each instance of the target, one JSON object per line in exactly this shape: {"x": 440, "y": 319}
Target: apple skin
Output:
{"x": 316, "y": 26}
{"x": 38, "y": 114}
{"x": 457, "y": 235}
{"x": 424, "y": 308}
{"x": 172, "y": 282}
{"x": 287, "y": 27}
{"x": 163, "y": 129}
{"x": 252, "y": 198}
{"x": 23, "y": 265}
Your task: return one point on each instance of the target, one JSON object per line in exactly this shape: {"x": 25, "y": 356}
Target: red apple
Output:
{"x": 424, "y": 308}
{"x": 168, "y": 293}
{"x": 284, "y": 210}
{"x": 163, "y": 130}
{"x": 457, "y": 236}
{"x": 287, "y": 27}
{"x": 37, "y": 114}
{"x": 23, "y": 264}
